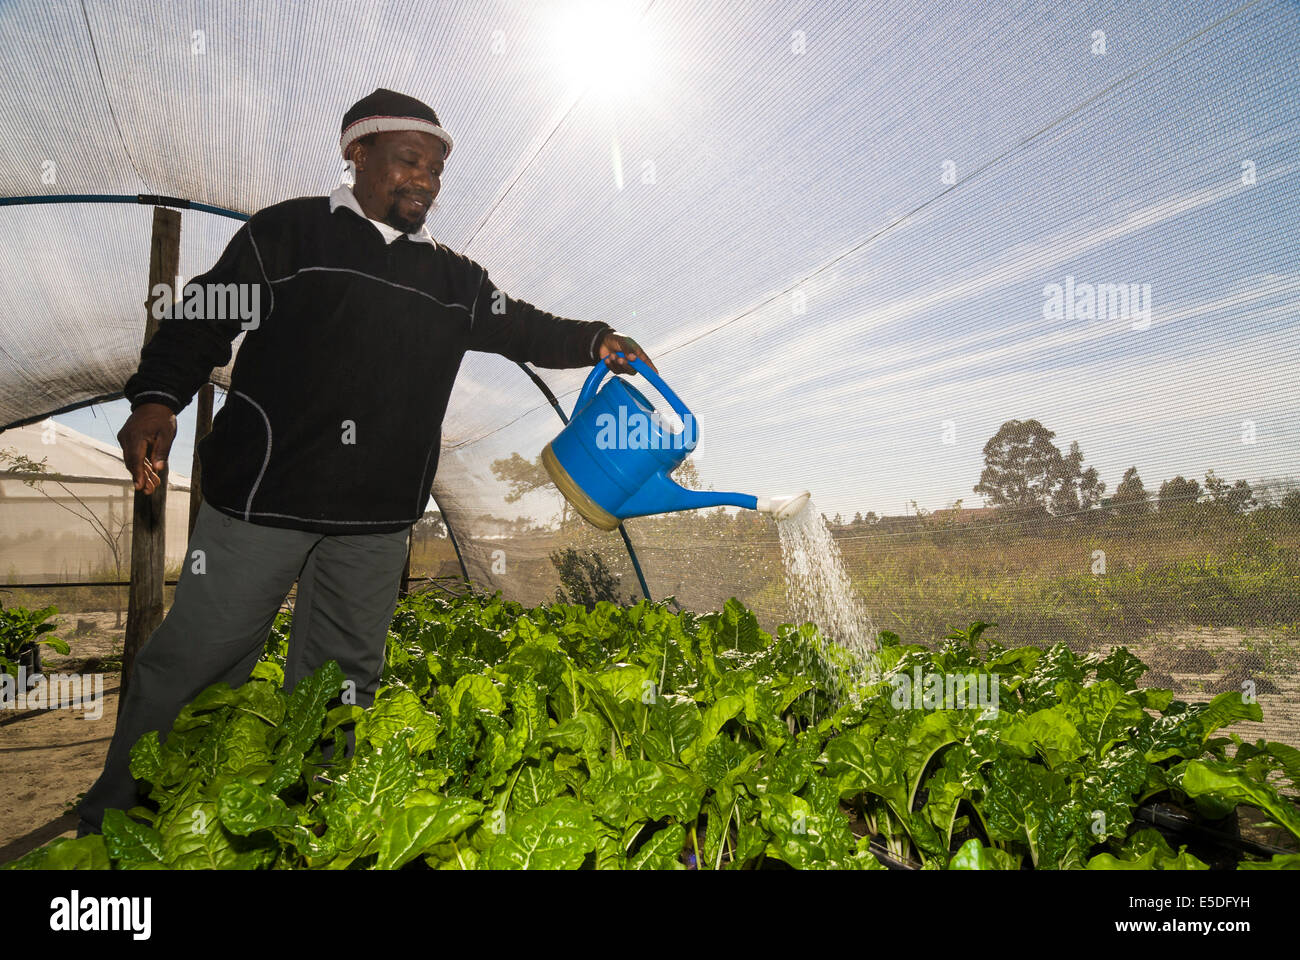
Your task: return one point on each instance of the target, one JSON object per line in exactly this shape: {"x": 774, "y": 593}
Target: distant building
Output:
{"x": 44, "y": 536}
{"x": 964, "y": 515}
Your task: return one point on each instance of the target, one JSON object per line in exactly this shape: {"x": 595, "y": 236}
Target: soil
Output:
{"x": 1205, "y": 661}
{"x": 50, "y": 757}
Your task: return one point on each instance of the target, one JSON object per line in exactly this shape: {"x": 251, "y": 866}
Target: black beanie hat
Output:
{"x": 386, "y": 110}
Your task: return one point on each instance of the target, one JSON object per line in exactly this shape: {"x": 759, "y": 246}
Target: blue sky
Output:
{"x": 823, "y": 172}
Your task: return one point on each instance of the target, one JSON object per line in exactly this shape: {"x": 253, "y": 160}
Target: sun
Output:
{"x": 603, "y": 47}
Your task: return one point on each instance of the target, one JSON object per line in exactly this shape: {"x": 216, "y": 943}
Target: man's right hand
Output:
{"x": 146, "y": 440}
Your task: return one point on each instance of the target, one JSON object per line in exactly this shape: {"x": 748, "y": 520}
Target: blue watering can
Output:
{"x": 613, "y": 459}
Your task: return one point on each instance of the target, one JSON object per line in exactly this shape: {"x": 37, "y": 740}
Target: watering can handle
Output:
{"x": 598, "y": 374}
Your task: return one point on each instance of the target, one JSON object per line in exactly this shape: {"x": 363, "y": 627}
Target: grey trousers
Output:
{"x": 226, "y": 601}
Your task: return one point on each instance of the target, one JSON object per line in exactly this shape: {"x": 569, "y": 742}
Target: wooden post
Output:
{"x": 202, "y": 427}
{"x": 149, "y": 526}
{"x": 406, "y": 570}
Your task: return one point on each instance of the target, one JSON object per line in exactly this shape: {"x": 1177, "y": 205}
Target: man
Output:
{"x": 324, "y": 453}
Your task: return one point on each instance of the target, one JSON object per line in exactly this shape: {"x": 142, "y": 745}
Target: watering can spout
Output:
{"x": 661, "y": 494}
{"x": 784, "y": 508}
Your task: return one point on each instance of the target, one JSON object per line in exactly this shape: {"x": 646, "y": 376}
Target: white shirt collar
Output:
{"x": 344, "y": 197}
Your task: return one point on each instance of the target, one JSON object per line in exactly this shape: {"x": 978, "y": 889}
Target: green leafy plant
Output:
{"x": 559, "y": 737}
{"x": 20, "y": 629}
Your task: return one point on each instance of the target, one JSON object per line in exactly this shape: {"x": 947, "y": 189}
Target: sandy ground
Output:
{"x": 1268, "y": 656}
{"x": 49, "y": 757}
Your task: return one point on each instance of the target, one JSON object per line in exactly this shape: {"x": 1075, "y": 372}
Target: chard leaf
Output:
{"x": 244, "y": 808}
{"x": 129, "y": 843}
{"x": 1103, "y": 714}
{"x": 262, "y": 699}
{"x": 379, "y": 779}
{"x": 662, "y": 851}
{"x": 787, "y": 772}
{"x": 536, "y": 785}
{"x": 1152, "y": 698}
{"x": 1106, "y": 795}
{"x": 800, "y": 835}
{"x": 1026, "y": 804}
{"x": 1108, "y": 861}
{"x": 1184, "y": 734}
{"x": 973, "y": 855}
{"x": 194, "y": 839}
{"x": 1122, "y": 668}
{"x": 401, "y": 710}
{"x": 625, "y": 682}
{"x": 611, "y": 854}
{"x": 270, "y": 671}
{"x": 1220, "y": 780}
{"x": 475, "y": 692}
{"x": 416, "y": 829}
{"x": 1280, "y": 861}
{"x": 1288, "y": 760}
{"x": 586, "y": 734}
{"x": 84, "y": 853}
{"x": 556, "y": 836}
{"x": 957, "y": 779}
{"x": 856, "y": 762}
{"x": 1147, "y": 850}
{"x": 673, "y": 722}
{"x": 243, "y": 743}
{"x": 715, "y": 717}
{"x": 146, "y": 757}
{"x": 216, "y": 696}
{"x": 304, "y": 715}
{"x": 642, "y": 790}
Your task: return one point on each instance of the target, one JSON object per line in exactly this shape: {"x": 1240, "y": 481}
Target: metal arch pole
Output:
{"x": 446, "y": 522}
{"x": 148, "y": 199}
{"x": 627, "y": 542}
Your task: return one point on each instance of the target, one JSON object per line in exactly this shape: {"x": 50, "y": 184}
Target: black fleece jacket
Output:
{"x": 334, "y": 416}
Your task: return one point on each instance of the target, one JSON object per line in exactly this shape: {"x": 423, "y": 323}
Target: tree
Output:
{"x": 688, "y": 475}
{"x": 1178, "y": 494}
{"x": 1131, "y": 497}
{"x": 525, "y": 477}
{"x": 1018, "y": 464}
{"x": 1240, "y": 498}
{"x": 586, "y": 580}
{"x": 1025, "y": 471}
{"x": 1074, "y": 489}
{"x": 1291, "y": 504}
{"x": 1216, "y": 487}
{"x": 857, "y": 519}
{"x": 1237, "y": 498}
{"x": 431, "y": 526}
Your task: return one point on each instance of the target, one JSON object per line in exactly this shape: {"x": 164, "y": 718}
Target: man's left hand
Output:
{"x": 615, "y": 342}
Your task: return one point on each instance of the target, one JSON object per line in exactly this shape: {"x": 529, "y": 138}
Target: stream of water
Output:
{"x": 818, "y": 590}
